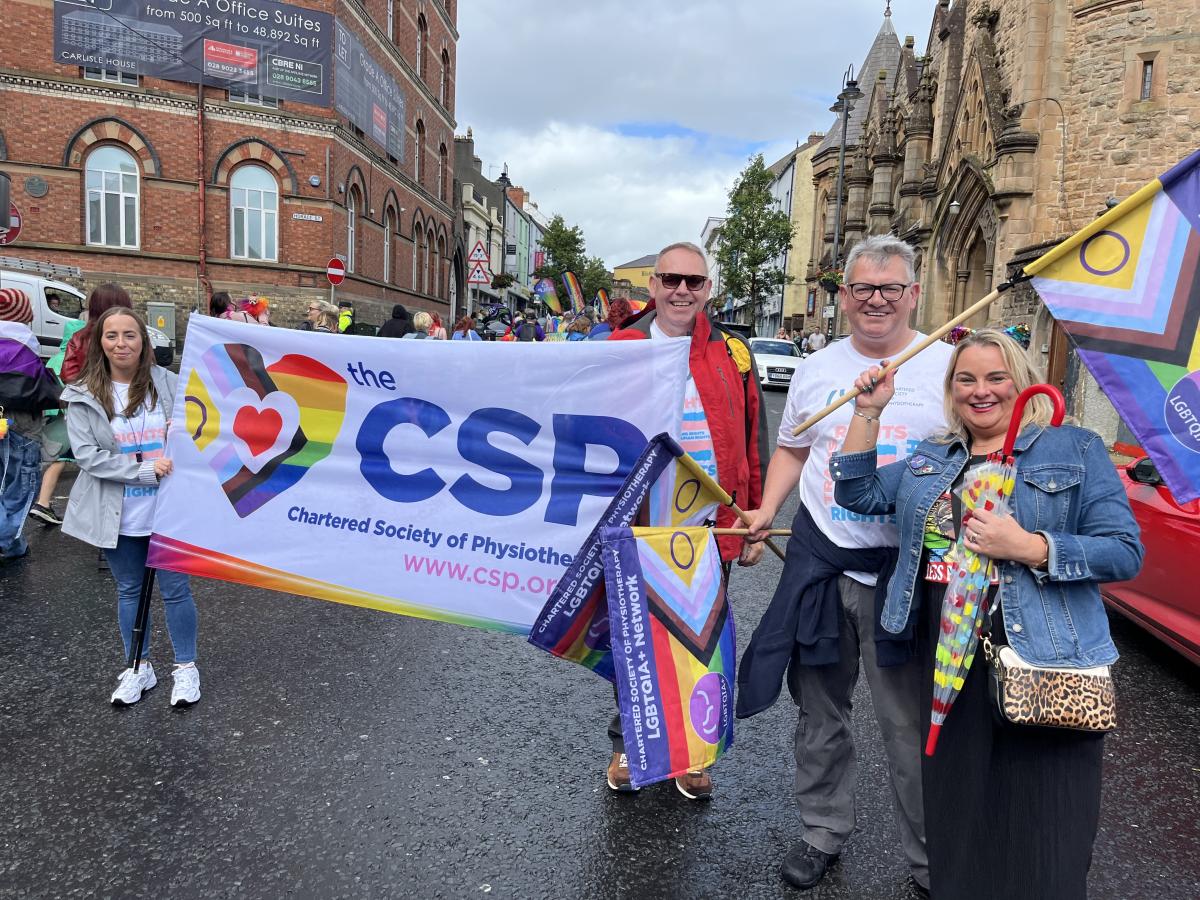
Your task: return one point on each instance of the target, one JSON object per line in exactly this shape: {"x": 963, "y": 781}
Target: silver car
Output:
{"x": 776, "y": 360}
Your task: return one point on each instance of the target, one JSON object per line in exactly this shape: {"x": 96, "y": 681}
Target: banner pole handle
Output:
{"x": 909, "y": 354}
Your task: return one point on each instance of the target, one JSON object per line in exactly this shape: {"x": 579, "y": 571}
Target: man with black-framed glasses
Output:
{"x": 826, "y": 597}
{"x": 723, "y": 425}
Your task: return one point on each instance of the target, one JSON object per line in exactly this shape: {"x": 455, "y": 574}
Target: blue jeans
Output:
{"x": 20, "y": 474}
{"x": 128, "y": 563}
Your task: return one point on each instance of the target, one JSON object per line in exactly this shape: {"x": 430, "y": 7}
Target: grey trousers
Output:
{"x": 826, "y": 769}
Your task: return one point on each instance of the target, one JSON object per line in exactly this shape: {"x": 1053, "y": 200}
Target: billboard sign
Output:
{"x": 272, "y": 49}
{"x": 366, "y": 94}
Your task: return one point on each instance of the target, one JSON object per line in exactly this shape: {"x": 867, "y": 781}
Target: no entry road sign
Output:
{"x": 335, "y": 271}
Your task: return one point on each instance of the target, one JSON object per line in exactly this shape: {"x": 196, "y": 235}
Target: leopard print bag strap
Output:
{"x": 1025, "y": 694}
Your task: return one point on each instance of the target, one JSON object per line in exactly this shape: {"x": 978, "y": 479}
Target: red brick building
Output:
{"x": 135, "y": 179}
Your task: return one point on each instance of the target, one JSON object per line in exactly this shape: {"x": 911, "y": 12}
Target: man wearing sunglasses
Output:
{"x": 825, "y": 605}
{"x": 724, "y": 424}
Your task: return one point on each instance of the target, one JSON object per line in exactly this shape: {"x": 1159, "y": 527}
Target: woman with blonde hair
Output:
{"x": 1028, "y": 798}
{"x": 327, "y": 317}
{"x": 422, "y": 322}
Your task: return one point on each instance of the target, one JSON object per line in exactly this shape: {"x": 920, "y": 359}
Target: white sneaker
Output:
{"x": 131, "y": 685}
{"x": 187, "y": 686}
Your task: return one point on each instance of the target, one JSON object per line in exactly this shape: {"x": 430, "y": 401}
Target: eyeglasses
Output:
{"x": 671, "y": 280}
{"x": 862, "y": 291}
{"x": 314, "y": 309}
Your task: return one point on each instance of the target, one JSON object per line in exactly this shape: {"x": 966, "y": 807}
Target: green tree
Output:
{"x": 754, "y": 235}
{"x": 565, "y": 251}
{"x": 593, "y": 277}
{"x": 564, "y": 248}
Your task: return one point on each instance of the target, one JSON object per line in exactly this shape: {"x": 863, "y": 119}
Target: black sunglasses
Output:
{"x": 671, "y": 280}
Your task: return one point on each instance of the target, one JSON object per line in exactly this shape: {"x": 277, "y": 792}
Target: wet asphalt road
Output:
{"x": 342, "y": 752}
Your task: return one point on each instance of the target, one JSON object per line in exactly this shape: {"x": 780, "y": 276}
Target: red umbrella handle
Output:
{"x": 1014, "y": 426}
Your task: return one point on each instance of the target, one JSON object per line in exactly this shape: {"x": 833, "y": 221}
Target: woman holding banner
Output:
{"x": 1010, "y": 810}
{"x": 117, "y": 417}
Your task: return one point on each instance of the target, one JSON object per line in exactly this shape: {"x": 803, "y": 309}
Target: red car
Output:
{"x": 1163, "y": 598}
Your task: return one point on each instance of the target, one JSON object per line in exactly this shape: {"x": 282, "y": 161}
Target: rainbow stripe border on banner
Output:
{"x": 178, "y": 556}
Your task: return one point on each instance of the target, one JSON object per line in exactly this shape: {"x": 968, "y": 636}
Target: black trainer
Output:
{"x": 44, "y": 514}
{"x": 805, "y": 865}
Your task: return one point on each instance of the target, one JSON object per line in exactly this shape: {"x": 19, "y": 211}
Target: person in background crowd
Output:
{"x": 259, "y": 308}
{"x": 526, "y": 328}
{"x": 223, "y": 307}
{"x": 1033, "y": 792}
{"x": 27, "y": 390}
{"x": 465, "y": 330}
{"x": 102, "y": 297}
{"x": 816, "y": 341}
{"x": 724, "y": 426}
{"x": 781, "y": 334}
{"x": 117, "y": 417}
{"x": 398, "y": 325}
{"x": 438, "y": 331}
{"x": 311, "y": 317}
{"x": 327, "y": 317}
{"x": 345, "y": 315}
{"x": 822, "y": 625}
{"x": 56, "y": 431}
{"x": 581, "y": 326}
{"x": 618, "y": 311}
{"x": 422, "y": 322}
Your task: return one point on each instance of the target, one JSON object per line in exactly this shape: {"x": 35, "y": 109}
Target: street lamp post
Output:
{"x": 844, "y": 105}
{"x": 504, "y": 184}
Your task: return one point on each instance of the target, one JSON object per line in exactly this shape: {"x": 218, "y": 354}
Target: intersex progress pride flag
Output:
{"x": 665, "y": 487}
{"x": 673, "y": 648}
{"x": 1127, "y": 291}
{"x": 440, "y": 479}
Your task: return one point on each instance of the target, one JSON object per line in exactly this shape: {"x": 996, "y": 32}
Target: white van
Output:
{"x": 54, "y": 302}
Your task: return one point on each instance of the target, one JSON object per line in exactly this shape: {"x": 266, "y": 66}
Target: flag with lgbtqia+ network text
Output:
{"x": 1127, "y": 291}
{"x": 673, "y": 648}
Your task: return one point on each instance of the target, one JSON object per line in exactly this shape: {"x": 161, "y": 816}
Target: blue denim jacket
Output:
{"x": 1066, "y": 488}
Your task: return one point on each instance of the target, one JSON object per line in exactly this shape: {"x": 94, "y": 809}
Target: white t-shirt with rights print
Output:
{"x": 144, "y": 432}
{"x": 913, "y": 414}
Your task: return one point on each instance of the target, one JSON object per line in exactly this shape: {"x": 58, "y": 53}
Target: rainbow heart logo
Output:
{"x": 259, "y": 427}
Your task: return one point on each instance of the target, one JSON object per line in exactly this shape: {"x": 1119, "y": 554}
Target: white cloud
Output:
{"x": 632, "y": 120}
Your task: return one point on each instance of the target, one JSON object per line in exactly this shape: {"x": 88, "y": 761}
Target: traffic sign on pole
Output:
{"x": 335, "y": 271}
{"x": 478, "y": 253}
{"x": 9, "y": 235}
{"x": 479, "y": 275}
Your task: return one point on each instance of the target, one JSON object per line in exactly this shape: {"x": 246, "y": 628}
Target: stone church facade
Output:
{"x": 1023, "y": 121}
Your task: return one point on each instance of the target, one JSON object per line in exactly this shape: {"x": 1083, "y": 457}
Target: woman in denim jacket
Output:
{"x": 1010, "y": 811}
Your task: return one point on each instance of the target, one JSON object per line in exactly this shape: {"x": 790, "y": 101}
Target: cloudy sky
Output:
{"x": 633, "y": 119}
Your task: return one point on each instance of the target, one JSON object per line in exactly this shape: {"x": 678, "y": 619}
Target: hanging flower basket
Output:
{"x": 830, "y": 280}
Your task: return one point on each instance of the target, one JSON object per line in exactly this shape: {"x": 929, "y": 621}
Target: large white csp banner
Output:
{"x": 442, "y": 479}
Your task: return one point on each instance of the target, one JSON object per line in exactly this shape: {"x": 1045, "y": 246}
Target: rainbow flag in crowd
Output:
{"x": 602, "y": 302}
{"x": 1127, "y": 291}
{"x": 665, "y": 487}
{"x": 544, "y": 291}
{"x": 674, "y": 651}
{"x": 574, "y": 291}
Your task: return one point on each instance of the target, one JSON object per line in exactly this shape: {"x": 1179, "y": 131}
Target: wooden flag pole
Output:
{"x": 741, "y": 514}
{"x": 908, "y": 354}
{"x": 778, "y": 532}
